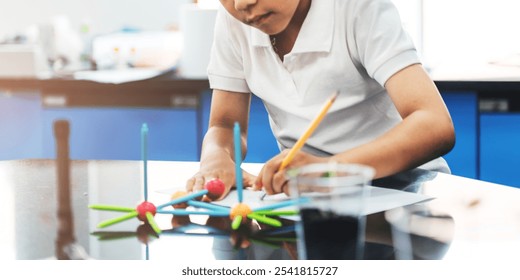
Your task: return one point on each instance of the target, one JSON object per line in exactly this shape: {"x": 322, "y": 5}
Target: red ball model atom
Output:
{"x": 215, "y": 188}
{"x": 143, "y": 208}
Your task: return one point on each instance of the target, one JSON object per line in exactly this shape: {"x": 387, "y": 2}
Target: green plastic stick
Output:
{"x": 123, "y": 235}
{"x": 265, "y": 220}
{"x": 236, "y": 222}
{"x": 118, "y": 219}
{"x": 152, "y": 223}
{"x": 111, "y": 208}
{"x": 277, "y": 212}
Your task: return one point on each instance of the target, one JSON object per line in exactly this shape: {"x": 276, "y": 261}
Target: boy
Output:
{"x": 294, "y": 54}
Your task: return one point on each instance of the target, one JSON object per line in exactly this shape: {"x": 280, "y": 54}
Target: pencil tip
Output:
{"x": 334, "y": 95}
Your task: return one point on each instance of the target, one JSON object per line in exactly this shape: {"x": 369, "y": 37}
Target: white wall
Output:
{"x": 449, "y": 30}
{"x": 104, "y": 15}
{"x": 411, "y": 16}
{"x": 461, "y": 31}
{"x": 458, "y": 32}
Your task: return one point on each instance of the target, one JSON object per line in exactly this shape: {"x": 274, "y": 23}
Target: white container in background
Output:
{"x": 196, "y": 25}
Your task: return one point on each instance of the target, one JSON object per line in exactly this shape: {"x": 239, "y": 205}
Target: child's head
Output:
{"x": 270, "y": 16}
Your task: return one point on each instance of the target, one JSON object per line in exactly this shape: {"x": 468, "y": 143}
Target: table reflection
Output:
{"x": 256, "y": 241}
{"x": 251, "y": 241}
{"x": 463, "y": 214}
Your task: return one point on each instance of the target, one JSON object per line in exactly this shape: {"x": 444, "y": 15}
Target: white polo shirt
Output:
{"x": 353, "y": 46}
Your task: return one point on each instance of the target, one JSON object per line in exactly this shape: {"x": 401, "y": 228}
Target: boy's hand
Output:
{"x": 224, "y": 171}
{"x": 273, "y": 180}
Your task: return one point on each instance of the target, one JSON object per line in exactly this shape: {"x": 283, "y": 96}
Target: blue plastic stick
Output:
{"x": 144, "y": 156}
{"x": 238, "y": 161}
{"x": 282, "y": 204}
{"x": 188, "y": 212}
{"x": 183, "y": 199}
{"x": 209, "y": 206}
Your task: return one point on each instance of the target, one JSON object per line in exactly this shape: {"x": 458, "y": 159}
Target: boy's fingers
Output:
{"x": 256, "y": 187}
{"x": 198, "y": 184}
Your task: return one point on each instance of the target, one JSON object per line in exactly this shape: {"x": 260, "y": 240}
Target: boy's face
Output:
{"x": 270, "y": 16}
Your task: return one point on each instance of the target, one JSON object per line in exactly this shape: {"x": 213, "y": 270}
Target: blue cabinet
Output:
{"x": 20, "y": 126}
{"x": 110, "y": 133}
{"x": 261, "y": 144}
{"x": 486, "y": 144}
{"x": 463, "y": 158}
{"x": 499, "y": 148}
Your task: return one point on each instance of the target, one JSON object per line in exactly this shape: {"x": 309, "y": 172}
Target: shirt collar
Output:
{"x": 315, "y": 34}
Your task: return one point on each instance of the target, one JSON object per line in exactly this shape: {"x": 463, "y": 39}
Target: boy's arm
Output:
{"x": 426, "y": 131}
{"x": 217, "y": 156}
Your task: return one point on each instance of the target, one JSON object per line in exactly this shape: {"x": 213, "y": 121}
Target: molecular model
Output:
{"x": 213, "y": 189}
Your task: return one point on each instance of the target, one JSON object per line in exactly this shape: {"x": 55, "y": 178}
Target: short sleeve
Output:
{"x": 225, "y": 68}
{"x": 383, "y": 45}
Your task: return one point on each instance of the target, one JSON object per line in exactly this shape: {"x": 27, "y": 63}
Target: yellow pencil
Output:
{"x": 299, "y": 144}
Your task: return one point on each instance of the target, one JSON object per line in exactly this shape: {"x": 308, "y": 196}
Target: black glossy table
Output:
{"x": 467, "y": 219}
